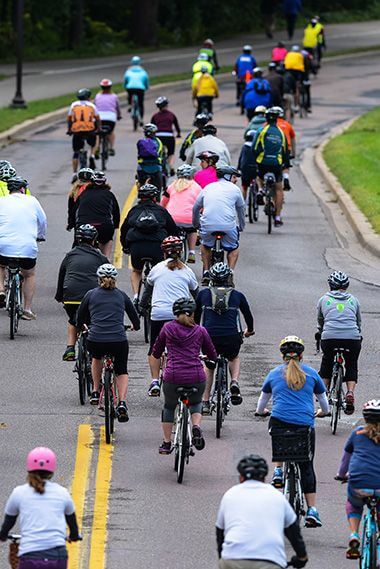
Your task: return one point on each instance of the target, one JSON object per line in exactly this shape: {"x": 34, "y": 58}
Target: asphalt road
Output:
{"x": 154, "y": 522}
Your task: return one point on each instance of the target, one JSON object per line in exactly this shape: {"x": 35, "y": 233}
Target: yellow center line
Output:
{"x": 118, "y": 253}
{"x": 79, "y": 485}
{"x": 102, "y": 490}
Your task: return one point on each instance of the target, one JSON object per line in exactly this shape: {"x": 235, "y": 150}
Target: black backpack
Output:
{"x": 220, "y": 297}
{"x": 147, "y": 222}
{"x": 260, "y": 87}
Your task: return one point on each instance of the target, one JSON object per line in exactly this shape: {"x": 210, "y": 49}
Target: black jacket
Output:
{"x": 97, "y": 205}
{"x": 77, "y": 273}
{"x": 129, "y": 234}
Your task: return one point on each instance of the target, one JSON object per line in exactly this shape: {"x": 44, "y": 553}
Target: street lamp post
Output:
{"x": 18, "y": 101}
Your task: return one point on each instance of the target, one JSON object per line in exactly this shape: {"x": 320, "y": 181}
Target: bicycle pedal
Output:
{"x": 191, "y": 452}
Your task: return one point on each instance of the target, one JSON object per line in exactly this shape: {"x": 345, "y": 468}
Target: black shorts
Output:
{"x": 71, "y": 311}
{"x": 145, "y": 249}
{"x": 350, "y": 358}
{"x": 79, "y": 139}
{"x": 155, "y": 329}
{"x": 105, "y": 232}
{"x": 275, "y": 170}
{"x": 227, "y": 346}
{"x": 23, "y": 262}
{"x": 169, "y": 143}
{"x": 298, "y": 75}
{"x": 117, "y": 349}
{"x": 109, "y": 126}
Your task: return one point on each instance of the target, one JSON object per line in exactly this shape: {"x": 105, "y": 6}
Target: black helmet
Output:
{"x": 253, "y": 467}
{"x": 99, "y": 178}
{"x": 148, "y": 191}
{"x": 337, "y": 280}
{"x": 371, "y": 411}
{"x": 184, "y": 305}
{"x": 16, "y": 184}
{"x": 161, "y": 102}
{"x": 201, "y": 120}
{"x": 249, "y": 135}
{"x": 209, "y": 129}
{"x": 208, "y": 156}
{"x": 85, "y": 174}
{"x": 84, "y": 94}
{"x": 86, "y": 233}
{"x": 227, "y": 172}
{"x": 292, "y": 345}
{"x": 220, "y": 273}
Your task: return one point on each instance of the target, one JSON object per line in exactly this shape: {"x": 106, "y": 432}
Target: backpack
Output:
{"x": 260, "y": 87}
{"x": 82, "y": 117}
{"x": 220, "y": 297}
{"x": 147, "y": 149}
{"x": 146, "y": 222}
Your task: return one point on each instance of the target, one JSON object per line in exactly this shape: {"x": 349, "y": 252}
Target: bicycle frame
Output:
{"x": 336, "y": 390}
{"x": 182, "y": 442}
{"x": 220, "y": 400}
{"x": 217, "y": 251}
{"x": 144, "y": 276}
{"x": 371, "y": 535}
{"x": 269, "y": 195}
{"x": 135, "y": 112}
{"x": 108, "y": 396}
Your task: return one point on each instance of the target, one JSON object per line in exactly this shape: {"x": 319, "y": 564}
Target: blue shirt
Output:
{"x": 290, "y": 406}
{"x": 257, "y": 92}
{"x": 227, "y": 323}
{"x": 136, "y": 78}
{"x": 244, "y": 63}
{"x": 365, "y": 460}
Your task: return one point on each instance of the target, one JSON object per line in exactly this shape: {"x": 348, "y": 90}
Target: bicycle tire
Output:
{"x": 219, "y": 402}
{"x": 147, "y": 328}
{"x": 337, "y": 380}
{"x": 80, "y": 366}
{"x": 373, "y": 551}
{"x": 290, "y": 485}
{"x": 135, "y": 120}
{"x": 12, "y": 307}
{"x": 250, "y": 205}
{"x": 269, "y": 215}
{"x": 104, "y": 153}
{"x": 107, "y": 406}
{"x": 255, "y": 208}
{"x": 89, "y": 382}
{"x": 83, "y": 159}
{"x": 183, "y": 444}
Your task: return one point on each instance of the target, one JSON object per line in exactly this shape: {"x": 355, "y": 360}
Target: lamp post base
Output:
{"x": 18, "y": 102}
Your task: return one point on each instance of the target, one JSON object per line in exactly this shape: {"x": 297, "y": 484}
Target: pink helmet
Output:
{"x": 105, "y": 83}
{"x": 41, "y": 458}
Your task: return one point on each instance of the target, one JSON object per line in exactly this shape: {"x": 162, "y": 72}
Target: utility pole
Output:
{"x": 18, "y": 101}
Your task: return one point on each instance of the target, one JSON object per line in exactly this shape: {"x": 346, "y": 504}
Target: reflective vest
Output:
{"x": 197, "y": 67}
{"x": 311, "y": 34}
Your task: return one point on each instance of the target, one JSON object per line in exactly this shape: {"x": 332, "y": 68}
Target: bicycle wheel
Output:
{"x": 89, "y": 382}
{"x": 219, "y": 402}
{"x": 183, "y": 444}
{"x": 104, "y": 153}
{"x": 290, "y": 485}
{"x": 12, "y": 308}
{"x": 147, "y": 328}
{"x": 250, "y": 204}
{"x": 83, "y": 158}
{"x": 373, "y": 551}
{"x": 81, "y": 370}
{"x": 108, "y": 406}
{"x": 269, "y": 215}
{"x": 336, "y": 397}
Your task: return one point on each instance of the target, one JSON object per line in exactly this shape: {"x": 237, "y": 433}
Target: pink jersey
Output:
{"x": 278, "y": 54}
{"x": 206, "y": 176}
{"x": 180, "y": 204}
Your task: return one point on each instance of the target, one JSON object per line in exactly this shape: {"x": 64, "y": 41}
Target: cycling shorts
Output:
{"x": 105, "y": 232}
{"x": 230, "y": 241}
{"x": 145, "y": 249}
{"x": 227, "y": 346}
{"x": 119, "y": 350}
{"x": 71, "y": 311}
{"x": 155, "y": 329}
{"x": 350, "y": 358}
{"x": 109, "y": 124}
{"x": 171, "y": 399}
{"x": 275, "y": 170}
{"x": 24, "y": 263}
{"x": 169, "y": 143}
{"x": 79, "y": 138}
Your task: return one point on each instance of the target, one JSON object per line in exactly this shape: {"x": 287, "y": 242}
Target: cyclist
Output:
{"x": 290, "y": 91}
{"x": 103, "y": 309}
{"x": 247, "y": 163}
{"x": 44, "y": 508}
{"x": 279, "y": 52}
{"x": 209, "y": 49}
{"x": 252, "y": 520}
{"x": 143, "y": 231}
{"x": 270, "y": 150}
{"x": 208, "y": 142}
{"x": 169, "y": 280}
{"x": 288, "y": 130}
{"x": 184, "y": 341}
{"x": 293, "y": 386}
{"x": 179, "y": 201}
{"x": 98, "y": 206}
{"x": 257, "y": 92}
{"x": 83, "y": 122}
{"x": 361, "y": 465}
{"x": 321, "y": 40}
{"x": 6, "y": 171}
{"x": 136, "y": 82}
{"x": 207, "y": 174}
{"x": 220, "y": 202}
{"x": 243, "y": 71}
{"x": 311, "y": 36}
{"x": 257, "y": 120}
{"x": 202, "y": 61}
{"x": 77, "y": 275}
{"x": 295, "y": 65}
{"x": 339, "y": 326}
{"x": 218, "y": 306}
{"x": 205, "y": 90}
{"x": 200, "y": 121}
{"x": 165, "y": 122}
{"x": 276, "y": 82}
{"x": 150, "y": 155}
{"x": 22, "y": 223}
{"x": 80, "y": 183}
{"x": 108, "y": 107}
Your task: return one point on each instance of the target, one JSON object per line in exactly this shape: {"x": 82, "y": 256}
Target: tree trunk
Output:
{"x": 77, "y": 21}
{"x": 145, "y": 22}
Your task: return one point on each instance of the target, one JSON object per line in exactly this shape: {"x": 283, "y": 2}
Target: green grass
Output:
{"x": 354, "y": 157}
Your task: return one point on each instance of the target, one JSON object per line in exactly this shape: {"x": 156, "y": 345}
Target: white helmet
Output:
{"x": 106, "y": 270}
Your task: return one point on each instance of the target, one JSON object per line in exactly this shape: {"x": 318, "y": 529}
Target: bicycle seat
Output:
{"x": 106, "y": 129}
{"x": 339, "y": 350}
{"x": 149, "y": 259}
{"x": 218, "y": 233}
{"x": 186, "y": 390}
{"x": 269, "y": 177}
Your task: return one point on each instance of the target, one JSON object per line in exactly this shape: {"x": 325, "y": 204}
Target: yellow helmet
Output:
{"x": 291, "y": 345}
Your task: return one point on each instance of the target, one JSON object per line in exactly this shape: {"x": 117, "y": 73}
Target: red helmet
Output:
{"x": 106, "y": 83}
{"x": 172, "y": 246}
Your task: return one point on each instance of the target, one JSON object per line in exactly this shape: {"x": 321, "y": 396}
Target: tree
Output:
{"x": 77, "y": 23}
{"x": 145, "y": 14}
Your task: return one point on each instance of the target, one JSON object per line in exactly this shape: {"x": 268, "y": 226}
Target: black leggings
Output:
{"x": 171, "y": 399}
{"x": 308, "y": 477}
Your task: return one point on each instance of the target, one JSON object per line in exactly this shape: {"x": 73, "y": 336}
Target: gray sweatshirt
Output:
{"x": 339, "y": 316}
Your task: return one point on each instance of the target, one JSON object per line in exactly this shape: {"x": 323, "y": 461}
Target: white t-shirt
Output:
{"x": 211, "y": 143}
{"x": 22, "y": 220}
{"x": 219, "y": 201}
{"x": 42, "y": 516}
{"x": 168, "y": 286}
{"x": 253, "y": 516}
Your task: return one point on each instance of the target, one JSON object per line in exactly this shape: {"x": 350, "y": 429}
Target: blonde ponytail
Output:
{"x": 372, "y": 431}
{"x": 295, "y": 377}
{"x": 181, "y": 184}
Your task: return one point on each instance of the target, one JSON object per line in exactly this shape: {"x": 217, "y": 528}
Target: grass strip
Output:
{"x": 354, "y": 157}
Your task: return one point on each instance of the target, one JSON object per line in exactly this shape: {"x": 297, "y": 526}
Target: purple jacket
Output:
{"x": 184, "y": 346}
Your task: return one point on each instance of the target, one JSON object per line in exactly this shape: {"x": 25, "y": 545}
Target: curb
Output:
{"x": 359, "y": 223}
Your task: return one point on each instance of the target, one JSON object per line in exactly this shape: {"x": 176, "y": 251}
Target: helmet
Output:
{"x": 148, "y": 191}
{"x": 184, "y": 305}
{"x": 227, "y": 172}
{"x": 105, "y": 83}
{"x": 371, "y": 411}
{"x": 106, "y": 270}
{"x": 209, "y": 129}
{"x": 201, "y": 120}
{"x": 99, "y": 178}
{"x": 260, "y": 109}
{"x": 85, "y": 174}
{"x": 16, "y": 184}
{"x": 314, "y": 20}
{"x": 172, "y": 246}
{"x": 279, "y": 110}
{"x": 41, "y": 458}
{"x": 292, "y": 345}
{"x": 272, "y": 65}
{"x": 149, "y": 129}
{"x": 208, "y": 155}
{"x": 249, "y": 135}
{"x": 280, "y": 44}
{"x": 253, "y": 467}
{"x": 136, "y": 60}
{"x": 209, "y": 42}
{"x": 271, "y": 114}
{"x": 161, "y": 102}
{"x": 84, "y": 94}
{"x": 86, "y": 233}
{"x": 6, "y": 170}
{"x": 338, "y": 280}
{"x": 257, "y": 72}
{"x": 247, "y": 48}
{"x": 295, "y": 48}
{"x": 204, "y": 69}
{"x": 185, "y": 171}
{"x": 203, "y": 57}
{"x": 220, "y": 273}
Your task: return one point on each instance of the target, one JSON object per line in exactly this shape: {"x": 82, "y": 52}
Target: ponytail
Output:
{"x": 175, "y": 264}
{"x": 186, "y": 320}
{"x": 37, "y": 480}
{"x": 372, "y": 431}
{"x": 295, "y": 377}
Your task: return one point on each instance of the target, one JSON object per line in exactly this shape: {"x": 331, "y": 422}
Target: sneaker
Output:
{"x": 91, "y": 163}
{"x": 205, "y": 278}
{"x": 312, "y": 519}
{"x": 3, "y": 298}
{"x": 350, "y": 403}
{"x": 191, "y": 258}
{"x": 260, "y": 198}
{"x": 154, "y": 389}
{"x": 122, "y": 412}
{"x": 165, "y": 448}
{"x": 353, "y": 550}
{"x": 206, "y": 408}
{"x": 278, "y": 477}
{"x": 286, "y": 184}
{"x": 278, "y": 222}
{"x": 236, "y": 398}
{"x": 28, "y": 315}
{"x": 69, "y": 355}
{"x": 198, "y": 439}
{"x": 111, "y": 152}
{"x": 95, "y": 397}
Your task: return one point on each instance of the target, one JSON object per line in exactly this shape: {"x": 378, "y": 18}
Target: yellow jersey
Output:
{"x": 206, "y": 86}
{"x": 294, "y": 60}
{"x": 4, "y": 189}
{"x": 311, "y": 35}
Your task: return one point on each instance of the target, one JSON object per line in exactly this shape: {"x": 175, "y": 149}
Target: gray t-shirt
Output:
{"x": 212, "y": 144}
{"x": 339, "y": 316}
{"x": 221, "y": 202}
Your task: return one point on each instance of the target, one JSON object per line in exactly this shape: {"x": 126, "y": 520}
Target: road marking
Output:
{"x": 79, "y": 486}
{"x": 118, "y": 253}
{"x": 102, "y": 490}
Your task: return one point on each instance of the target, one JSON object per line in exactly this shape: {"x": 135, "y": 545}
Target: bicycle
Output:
{"x": 13, "y": 550}
{"x": 13, "y": 302}
{"x": 217, "y": 251}
{"x": 304, "y": 99}
{"x": 104, "y": 145}
{"x": 83, "y": 368}
{"x": 143, "y": 284}
{"x": 220, "y": 399}
{"x": 182, "y": 443}
{"x": 371, "y": 535}
{"x": 183, "y": 232}
{"x": 269, "y": 192}
{"x": 135, "y": 112}
{"x": 253, "y": 206}
{"x": 108, "y": 396}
